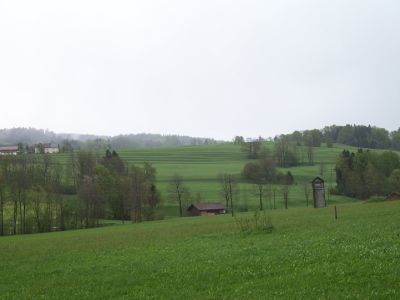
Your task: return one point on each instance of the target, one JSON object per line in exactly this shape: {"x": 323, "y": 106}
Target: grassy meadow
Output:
{"x": 308, "y": 255}
{"x": 200, "y": 165}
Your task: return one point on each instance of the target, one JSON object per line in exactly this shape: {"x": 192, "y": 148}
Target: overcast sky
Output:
{"x": 201, "y": 68}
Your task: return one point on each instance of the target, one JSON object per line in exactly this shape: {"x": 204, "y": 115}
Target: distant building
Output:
{"x": 47, "y": 148}
{"x": 318, "y": 192}
{"x": 393, "y": 196}
{"x": 9, "y": 150}
{"x": 206, "y": 209}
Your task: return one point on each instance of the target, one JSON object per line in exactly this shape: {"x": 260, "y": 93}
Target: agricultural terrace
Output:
{"x": 200, "y": 165}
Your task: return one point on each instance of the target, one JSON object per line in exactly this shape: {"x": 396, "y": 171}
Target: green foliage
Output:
{"x": 285, "y": 152}
{"x": 260, "y": 171}
{"x": 252, "y": 149}
{"x": 365, "y": 173}
{"x": 394, "y": 181}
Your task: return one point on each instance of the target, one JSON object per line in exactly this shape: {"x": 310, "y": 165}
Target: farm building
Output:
{"x": 393, "y": 196}
{"x": 318, "y": 192}
{"x": 9, "y": 150}
{"x": 46, "y": 148}
{"x": 206, "y": 209}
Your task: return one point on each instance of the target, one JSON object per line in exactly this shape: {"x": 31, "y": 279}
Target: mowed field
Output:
{"x": 308, "y": 255}
{"x": 200, "y": 165}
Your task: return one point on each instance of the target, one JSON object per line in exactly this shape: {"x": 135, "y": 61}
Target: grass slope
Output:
{"x": 200, "y": 165}
{"x": 309, "y": 255}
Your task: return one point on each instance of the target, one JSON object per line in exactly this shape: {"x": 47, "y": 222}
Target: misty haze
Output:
{"x": 199, "y": 149}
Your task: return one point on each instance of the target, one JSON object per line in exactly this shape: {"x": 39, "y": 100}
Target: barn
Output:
{"x": 206, "y": 209}
{"x": 9, "y": 150}
{"x": 393, "y": 196}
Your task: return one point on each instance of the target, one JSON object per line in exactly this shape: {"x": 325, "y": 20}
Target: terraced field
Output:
{"x": 200, "y": 165}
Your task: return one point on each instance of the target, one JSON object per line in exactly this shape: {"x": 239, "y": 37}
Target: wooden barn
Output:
{"x": 393, "y": 196}
{"x": 206, "y": 209}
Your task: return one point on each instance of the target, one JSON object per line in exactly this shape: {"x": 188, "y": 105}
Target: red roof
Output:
{"x": 207, "y": 206}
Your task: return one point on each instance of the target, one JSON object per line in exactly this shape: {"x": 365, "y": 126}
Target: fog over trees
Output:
{"x": 30, "y": 136}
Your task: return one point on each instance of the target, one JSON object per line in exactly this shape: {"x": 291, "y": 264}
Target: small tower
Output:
{"x": 318, "y": 192}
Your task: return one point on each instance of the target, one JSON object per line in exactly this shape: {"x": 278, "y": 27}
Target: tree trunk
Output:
{"x": 231, "y": 195}
{"x": 1, "y": 214}
{"x": 180, "y": 204}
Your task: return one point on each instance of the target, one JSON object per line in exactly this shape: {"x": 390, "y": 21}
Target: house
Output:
{"x": 9, "y": 150}
{"x": 50, "y": 148}
{"x": 318, "y": 192}
{"x": 47, "y": 148}
{"x": 393, "y": 196}
{"x": 206, "y": 209}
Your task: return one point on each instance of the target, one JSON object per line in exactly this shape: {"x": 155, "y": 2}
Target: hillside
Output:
{"x": 199, "y": 165}
{"x": 308, "y": 255}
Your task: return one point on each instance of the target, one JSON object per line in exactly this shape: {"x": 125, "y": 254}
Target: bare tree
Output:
{"x": 310, "y": 154}
{"x": 322, "y": 168}
{"x": 178, "y": 189}
{"x": 260, "y": 191}
{"x": 138, "y": 192}
{"x": 223, "y": 179}
{"x": 307, "y": 192}
{"x": 285, "y": 188}
{"x": 228, "y": 190}
{"x": 2, "y": 203}
{"x": 37, "y": 206}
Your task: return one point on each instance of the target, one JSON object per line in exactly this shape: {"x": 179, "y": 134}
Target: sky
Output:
{"x": 207, "y": 68}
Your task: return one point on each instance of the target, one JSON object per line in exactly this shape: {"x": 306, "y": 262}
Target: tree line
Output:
{"x": 364, "y": 174}
{"x": 39, "y": 194}
{"x": 286, "y": 153}
{"x": 26, "y": 137}
{"x": 360, "y": 136}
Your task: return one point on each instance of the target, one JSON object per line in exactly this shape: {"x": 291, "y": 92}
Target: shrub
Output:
{"x": 259, "y": 222}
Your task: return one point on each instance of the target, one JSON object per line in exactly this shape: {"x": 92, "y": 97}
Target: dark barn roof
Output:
{"x": 207, "y": 206}
{"x": 393, "y": 196}
{"x": 317, "y": 179}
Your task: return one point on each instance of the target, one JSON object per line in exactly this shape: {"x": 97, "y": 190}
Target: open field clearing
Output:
{"x": 200, "y": 165}
{"x": 308, "y": 255}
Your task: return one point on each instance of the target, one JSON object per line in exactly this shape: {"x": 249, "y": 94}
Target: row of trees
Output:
{"x": 39, "y": 194}
{"x": 286, "y": 153}
{"x": 297, "y": 148}
{"x": 262, "y": 173}
{"x": 365, "y": 173}
{"x": 353, "y": 135}
{"x": 67, "y": 142}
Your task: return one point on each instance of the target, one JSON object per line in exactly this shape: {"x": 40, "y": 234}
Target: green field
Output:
{"x": 200, "y": 165}
{"x": 309, "y": 255}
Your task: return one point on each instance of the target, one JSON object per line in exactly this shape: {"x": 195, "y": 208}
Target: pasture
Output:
{"x": 309, "y": 255}
{"x": 200, "y": 165}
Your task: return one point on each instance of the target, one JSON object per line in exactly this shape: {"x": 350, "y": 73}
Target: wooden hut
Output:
{"x": 318, "y": 192}
{"x": 206, "y": 209}
{"x": 393, "y": 196}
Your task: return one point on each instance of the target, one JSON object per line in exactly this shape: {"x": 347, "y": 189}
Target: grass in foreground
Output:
{"x": 308, "y": 255}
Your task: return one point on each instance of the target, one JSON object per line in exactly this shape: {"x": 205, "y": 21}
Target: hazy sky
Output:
{"x": 201, "y": 68}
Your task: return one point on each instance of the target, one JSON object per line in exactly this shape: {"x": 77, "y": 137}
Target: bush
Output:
{"x": 260, "y": 222}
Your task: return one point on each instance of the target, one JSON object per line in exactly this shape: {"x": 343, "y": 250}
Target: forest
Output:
{"x": 365, "y": 173}
{"x": 39, "y": 194}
